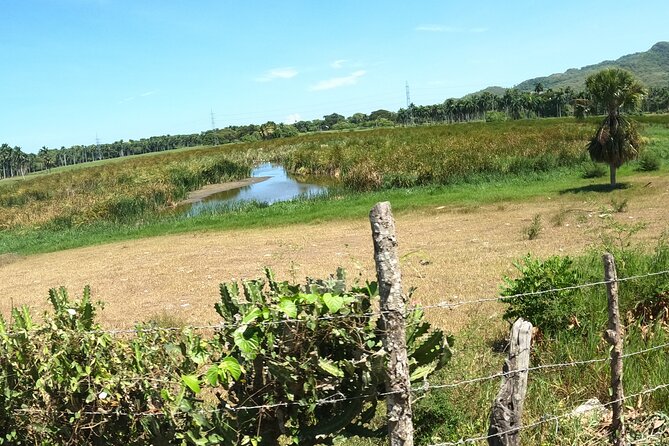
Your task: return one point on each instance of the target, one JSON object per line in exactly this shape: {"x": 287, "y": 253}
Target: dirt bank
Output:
{"x": 212, "y": 189}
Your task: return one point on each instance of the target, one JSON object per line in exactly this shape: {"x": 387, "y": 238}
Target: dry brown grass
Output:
{"x": 446, "y": 253}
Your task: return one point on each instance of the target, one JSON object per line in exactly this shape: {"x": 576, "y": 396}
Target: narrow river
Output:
{"x": 276, "y": 185}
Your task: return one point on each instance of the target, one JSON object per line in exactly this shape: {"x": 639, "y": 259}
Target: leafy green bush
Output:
{"x": 495, "y": 116}
{"x": 62, "y": 381}
{"x": 310, "y": 356}
{"x": 594, "y": 170}
{"x": 649, "y": 161}
{"x": 309, "y": 344}
{"x": 550, "y": 311}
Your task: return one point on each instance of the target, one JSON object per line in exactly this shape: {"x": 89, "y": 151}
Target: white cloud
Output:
{"x": 292, "y": 118}
{"x": 278, "y": 73}
{"x": 337, "y": 64}
{"x": 148, "y": 93}
{"x": 336, "y": 82}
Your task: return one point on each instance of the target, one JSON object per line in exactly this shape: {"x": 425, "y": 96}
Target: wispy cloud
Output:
{"x": 141, "y": 95}
{"x": 278, "y": 73}
{"x": 337, "y": 82}
{"x": 337, "y": 64}
{"x": 449, "y": 29}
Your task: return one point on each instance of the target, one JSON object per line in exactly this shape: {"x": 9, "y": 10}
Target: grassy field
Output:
{"x": 460, "y": 166}
{"x": 412, "y": 167}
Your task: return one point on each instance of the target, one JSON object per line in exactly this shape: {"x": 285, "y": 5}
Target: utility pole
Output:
{"x": 97, "y": 147}
{"x": 213, "y": 128}
{"x": 409, "y": 104}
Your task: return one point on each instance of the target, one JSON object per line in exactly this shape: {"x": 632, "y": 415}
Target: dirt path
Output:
{"x": 448, "y": 253}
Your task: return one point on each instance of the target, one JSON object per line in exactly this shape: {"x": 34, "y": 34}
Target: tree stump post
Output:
{"x": 614, "y": 336}
{"x": 507, "y": 409}
{"x": 400, "y": 424}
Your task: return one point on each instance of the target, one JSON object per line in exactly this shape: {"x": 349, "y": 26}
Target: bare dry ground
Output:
{"x": 449, "y": 253}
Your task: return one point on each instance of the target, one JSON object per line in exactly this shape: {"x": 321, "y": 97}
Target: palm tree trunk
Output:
{"x": 612, "y": 174}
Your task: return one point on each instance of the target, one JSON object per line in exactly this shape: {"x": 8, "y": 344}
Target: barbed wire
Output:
{"x": 450, "y": 305}
{"x": 442, "y": 305}
{"x": 545, "y": 420}
{"x": 339, "y": 397}
{"x": 429, "y": 386}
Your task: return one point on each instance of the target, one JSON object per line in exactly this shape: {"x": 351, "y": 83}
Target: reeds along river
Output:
{"x": 277, "y": 186}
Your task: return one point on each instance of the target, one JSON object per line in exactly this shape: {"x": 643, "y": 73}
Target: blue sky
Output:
{"x": 127, "y": 69}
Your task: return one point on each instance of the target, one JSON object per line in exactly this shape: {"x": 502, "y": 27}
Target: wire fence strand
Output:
{"x": 545, "y": 420}
{"x": 440, "y": 305}
{"x": 339, "y": 397}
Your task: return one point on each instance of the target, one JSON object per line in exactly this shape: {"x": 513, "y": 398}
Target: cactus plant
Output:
{"x": 318, "y": 346}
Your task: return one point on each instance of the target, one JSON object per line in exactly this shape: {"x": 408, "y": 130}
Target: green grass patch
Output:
{"x": 338, "y": 205}
{"x": 414, "y": 168}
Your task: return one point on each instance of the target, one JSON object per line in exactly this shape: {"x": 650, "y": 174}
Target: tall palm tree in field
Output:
{"x": 617, "y": 139}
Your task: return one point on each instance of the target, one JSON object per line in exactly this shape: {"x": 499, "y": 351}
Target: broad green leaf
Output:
{"x": 333, "y": 302}
{"x": 212, "y": 376}
{"x": 248, "y": 346}
{"x": 231, "y": 366}
{"x": 192, "y": 382}
{"x": 288, "y": 307}
{"x": 308, "y": 298}
{"x": 251, "y": 316}
{"x": 422, "y": 371}
{"x": 330, "y": 368}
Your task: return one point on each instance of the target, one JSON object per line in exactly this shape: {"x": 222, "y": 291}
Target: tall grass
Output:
{"x": 136, "y": 190}
{"x": 440, "y": 154}
{"x": 117, "y": 192}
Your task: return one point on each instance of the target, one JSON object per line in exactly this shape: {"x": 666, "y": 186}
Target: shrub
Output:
{"x": 534, "y": 229}
{"x": 550, "y": 311}
{"x": 594, "y": 170}
{"x": 63, "y": 381}
{"x": 649, "y": 161}
{"x": 309, "y": 343}
{"x": 495, "y": 116}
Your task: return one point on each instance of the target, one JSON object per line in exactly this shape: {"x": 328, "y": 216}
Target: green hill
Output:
{"x": 650, "y": 67}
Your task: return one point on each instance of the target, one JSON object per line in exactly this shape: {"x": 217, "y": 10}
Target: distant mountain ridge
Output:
{"x": 650, "y": 67}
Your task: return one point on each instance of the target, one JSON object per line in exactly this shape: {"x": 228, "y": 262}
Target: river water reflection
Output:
{"x": 278, "y": 186}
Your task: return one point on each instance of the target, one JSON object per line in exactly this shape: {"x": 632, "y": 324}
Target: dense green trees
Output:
{"x": 15, "y": 162}
{"x": 486, "y": 106}
{"x": 617, "y": 139}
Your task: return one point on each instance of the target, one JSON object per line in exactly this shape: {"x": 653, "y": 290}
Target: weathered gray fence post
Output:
{"x": 400, "y": 425}
{"x": 614, "y": 336}
{"x": 507, "y": 410}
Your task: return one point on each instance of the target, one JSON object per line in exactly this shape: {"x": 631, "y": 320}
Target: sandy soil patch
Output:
{"x": 212, "y": 189}
{"x": 448, "y": 253}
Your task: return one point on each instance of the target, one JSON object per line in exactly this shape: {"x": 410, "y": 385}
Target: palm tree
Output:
{"x": 617, "y": 139}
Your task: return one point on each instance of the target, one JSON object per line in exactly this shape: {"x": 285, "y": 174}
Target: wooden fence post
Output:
{"x": 614, "y": 336}
{"x": 400, "y": 425}
{"x": 507, "y": 409}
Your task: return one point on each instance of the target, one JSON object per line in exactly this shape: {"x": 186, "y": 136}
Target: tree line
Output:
{"x": 512, "y": 104}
